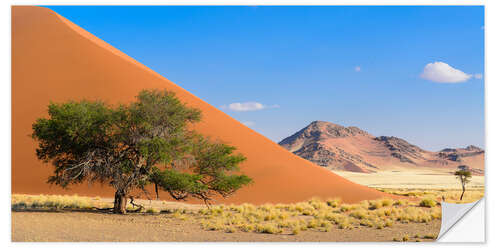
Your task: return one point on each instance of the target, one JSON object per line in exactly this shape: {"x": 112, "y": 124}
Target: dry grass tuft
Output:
{"x": 152, "y": 210}
{"x": 22, "y": 201}
{"x": 450, "y": 195}
{"x": 405, "y": 238}
{"x": 430, "y": 236}
{"x": 334, "y": 202}
{"x": 428, "y": 202}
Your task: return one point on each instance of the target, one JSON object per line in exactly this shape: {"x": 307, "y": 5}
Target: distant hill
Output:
{"x": 352, "y": 149}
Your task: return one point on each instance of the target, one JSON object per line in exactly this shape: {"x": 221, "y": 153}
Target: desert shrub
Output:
{"x": 152, "y": 210}
{"x": 318, "y": 204}
{"x": 345, "y": 224}
{"x": 178, "y": 214}
{"x": 202, "y": 211}
{"x": 230, "y": 229}
{"x": 435, "y": 213}
{"x": 429, "y": 236}
{"x": 427, "y": 202}
{"x": 268, "y": 229}
{"x": 283, "y": 215}
{"x": 302, "y": 206}
{"x": 359, "y": 214}
{"x": 346, "y": 207}
{"x": 312, "y": 224}
{"x": 334, "y": 202}
{"x": 216, "y": 225}
{"x": 334, "y": 217}
{"x": 247, "y": 227}
{"x": 388, "y": 223}
{"x": 387, "y": 202}
{"x": 400, "y": 202}
{"x": 375, "y": 204}
{"x": 266, "y": 207}
{"x": 366, "y": 222}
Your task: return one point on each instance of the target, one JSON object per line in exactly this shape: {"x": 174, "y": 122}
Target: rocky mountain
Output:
{"x": 352, "y": 149}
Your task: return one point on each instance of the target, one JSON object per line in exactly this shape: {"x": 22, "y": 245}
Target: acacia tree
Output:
{"x": 126, "y": 146}
{"x": 464, "y": 175}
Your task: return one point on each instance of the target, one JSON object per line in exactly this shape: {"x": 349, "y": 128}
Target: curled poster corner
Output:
{"x": 451, "y": 214}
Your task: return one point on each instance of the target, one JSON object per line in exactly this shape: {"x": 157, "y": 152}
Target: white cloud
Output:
{"x": 247, "y": 106}
{"x": 248, "y": 123}
{"x": 357, "y": 68}
{"x": 443, "y": 73}
{"x": 478, "y": 76}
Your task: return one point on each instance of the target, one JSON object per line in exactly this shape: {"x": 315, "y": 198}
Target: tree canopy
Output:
{"x": 132, "y": 146}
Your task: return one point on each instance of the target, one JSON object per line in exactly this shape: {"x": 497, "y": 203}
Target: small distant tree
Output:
{"x": 464, "y": 174}
{"x": 132, "y": 146}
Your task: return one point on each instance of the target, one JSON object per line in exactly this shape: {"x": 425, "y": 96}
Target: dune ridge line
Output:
{"x": 55, "y": 60}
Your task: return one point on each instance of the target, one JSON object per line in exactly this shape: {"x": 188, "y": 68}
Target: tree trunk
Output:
{"x": 120, "y": 206}
{"x": 156, "y": 190}
{"x": 463, "y": 191}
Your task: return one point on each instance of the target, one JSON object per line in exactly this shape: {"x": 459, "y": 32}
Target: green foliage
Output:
{"x": 214, "y": 161}
{"x": 463, "y": 171}
{"x": 212, "y": 164}
{"x": 127, "y": 145}
{"x": 178, "y": 184}
{"x": 463, "y": 174}
{"x": 69, "y": 135}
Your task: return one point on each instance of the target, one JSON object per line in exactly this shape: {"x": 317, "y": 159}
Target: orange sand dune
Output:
{"x": 55, "y": 60}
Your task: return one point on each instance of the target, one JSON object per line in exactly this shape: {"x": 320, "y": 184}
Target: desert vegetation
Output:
{"x": 315, "y": 215}
{"x": 289, "y": 219}
{"x": 429, "y": 195}
{"x": 22, "y": 202}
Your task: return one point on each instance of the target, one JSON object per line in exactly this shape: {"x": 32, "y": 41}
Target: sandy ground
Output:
{"x": 92, "y": 226}
{"x": 424, "y": 179}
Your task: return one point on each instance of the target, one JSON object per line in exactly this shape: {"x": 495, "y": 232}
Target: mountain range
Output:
{"x": 351, "y": 149}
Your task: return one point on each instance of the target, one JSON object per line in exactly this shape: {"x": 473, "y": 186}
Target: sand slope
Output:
{"x": 55, "y": 60}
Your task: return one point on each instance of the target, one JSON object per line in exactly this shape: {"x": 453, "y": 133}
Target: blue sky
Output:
{"x": 410, "y": 72}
